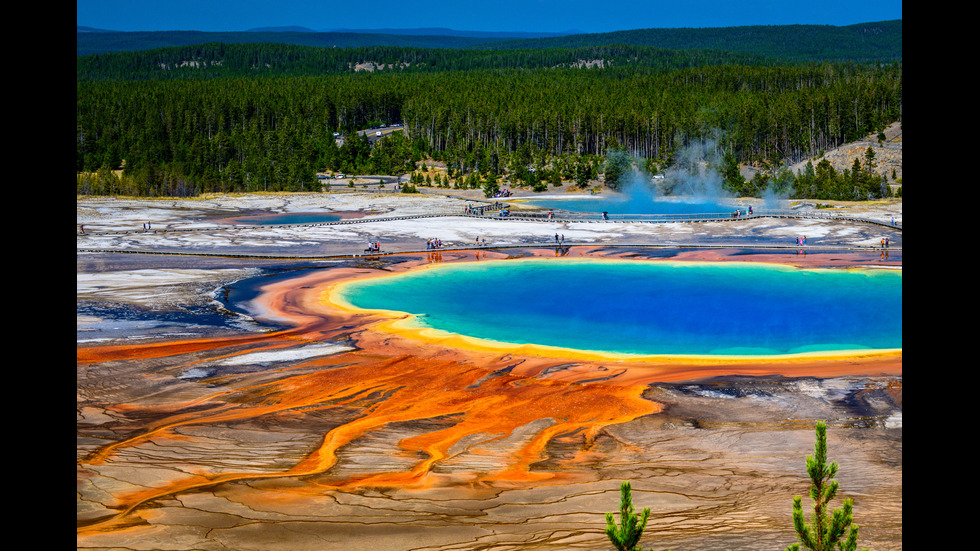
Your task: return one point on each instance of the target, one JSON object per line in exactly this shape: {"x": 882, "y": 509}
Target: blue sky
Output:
{"x": 474, "y": 15}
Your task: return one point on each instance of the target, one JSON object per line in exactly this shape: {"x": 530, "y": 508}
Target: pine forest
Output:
{"x": 187, "y": 120}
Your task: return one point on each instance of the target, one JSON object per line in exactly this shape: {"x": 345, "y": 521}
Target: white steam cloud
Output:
{"x": 692, "y": 178}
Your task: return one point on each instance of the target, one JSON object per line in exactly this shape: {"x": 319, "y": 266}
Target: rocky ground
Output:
{"x": 718, "y": 463}
{"x": 887, "y": 155}
{"x": 203, "y": 225}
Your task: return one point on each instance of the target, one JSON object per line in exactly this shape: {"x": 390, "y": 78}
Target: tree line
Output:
{"x": 865, "y": 42}
{"x": 222, "y": 60}
{"x": 190, "y": 136}
{"x": 870, "y": 42}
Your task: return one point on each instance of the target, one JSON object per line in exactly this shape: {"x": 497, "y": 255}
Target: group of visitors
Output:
{"x": 436, "y": 243}
{"x": 800, "y": 240}
{"x": 884, "y": 242}
{"x": 373, "y": 247}
{"x": 496, "y": 205}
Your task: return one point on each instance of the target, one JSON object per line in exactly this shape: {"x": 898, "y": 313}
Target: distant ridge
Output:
{"x": 873, "y": 41}
{"x": 442, "y": 31}
{"x": 88, "y": 43}
{"x": 82, "y": 29}
{"x": 864, "y": 42}
{"x": 280, "y": 29}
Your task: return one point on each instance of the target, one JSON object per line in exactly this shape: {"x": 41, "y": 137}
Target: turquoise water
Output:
{"x": 632, "y": 205}
{"x": 289, "y": 218}
{"x": 637, "y": 307}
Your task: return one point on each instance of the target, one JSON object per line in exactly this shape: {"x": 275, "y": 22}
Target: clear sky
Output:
{"x": 474, "y": 15}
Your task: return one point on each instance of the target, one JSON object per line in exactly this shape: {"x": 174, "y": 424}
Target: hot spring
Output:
{"x": 289, "y": 218}
{"x": 647, "y": 307}
{"x": 631, "y": 205}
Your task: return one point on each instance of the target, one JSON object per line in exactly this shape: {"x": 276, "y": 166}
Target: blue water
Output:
{"x": 289, "y": 218}
{"x": 632, "y": 205}
{"x": 650, "y": 307}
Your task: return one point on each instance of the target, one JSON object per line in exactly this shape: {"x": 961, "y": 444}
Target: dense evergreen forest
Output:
{"x": 88, "y": 43}
{"x": 864, "y": 42}
{"x": 214, "y": 60}
{"x": 252, "y": 117}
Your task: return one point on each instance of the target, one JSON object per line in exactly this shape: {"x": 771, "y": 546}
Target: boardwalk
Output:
{"x": 495, "y": 216}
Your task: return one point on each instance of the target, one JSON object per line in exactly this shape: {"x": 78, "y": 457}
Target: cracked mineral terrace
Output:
{"x": 222, "y": 404}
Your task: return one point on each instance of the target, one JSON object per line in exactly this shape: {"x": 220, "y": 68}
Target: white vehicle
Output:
{"x": 378, "y": 133}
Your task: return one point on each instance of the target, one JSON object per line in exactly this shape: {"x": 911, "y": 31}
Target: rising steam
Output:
{"x": 693, "y": 177}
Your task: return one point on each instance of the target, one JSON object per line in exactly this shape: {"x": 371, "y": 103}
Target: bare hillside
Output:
{"x": 888, "y": 154}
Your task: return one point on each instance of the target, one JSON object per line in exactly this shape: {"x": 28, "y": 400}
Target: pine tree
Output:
{"x": 825, "y": 531}
{"x": 626, "y": 536}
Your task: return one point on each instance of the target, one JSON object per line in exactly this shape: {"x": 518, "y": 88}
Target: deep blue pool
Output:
{"x": 650, "y": 307}
{"x": 632, "y": 205}
{"x": 289, "y": 218}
